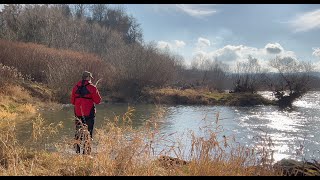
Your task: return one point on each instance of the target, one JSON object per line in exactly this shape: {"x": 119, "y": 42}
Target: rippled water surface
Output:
{"x": 292, "y": 131}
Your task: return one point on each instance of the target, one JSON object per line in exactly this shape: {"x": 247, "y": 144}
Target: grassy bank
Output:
{"x": 203, "y": 96}
{"x": 20, "y": 101}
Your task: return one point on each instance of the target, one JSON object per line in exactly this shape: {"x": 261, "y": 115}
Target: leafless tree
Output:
{"x": 99, "y": 12}
{"x": 202, "y": 63}
{"x": 248, "y": 75}
{"x": 79, "y": 10}
{"x": 10, "y": 21}
{"x": 208, "y": 72}
{"x": 294, "y": 78}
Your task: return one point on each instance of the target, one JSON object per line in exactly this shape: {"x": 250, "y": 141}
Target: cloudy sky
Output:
{"x": 231, "y": 32}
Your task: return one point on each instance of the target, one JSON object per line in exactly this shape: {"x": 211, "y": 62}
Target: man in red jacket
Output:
{"x": 84, "y": 97}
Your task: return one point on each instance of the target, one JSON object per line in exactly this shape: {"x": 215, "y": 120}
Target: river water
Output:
{"x": 295, "y": 133}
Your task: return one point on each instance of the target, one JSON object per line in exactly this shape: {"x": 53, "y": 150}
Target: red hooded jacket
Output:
{"x": 85, "y": 106}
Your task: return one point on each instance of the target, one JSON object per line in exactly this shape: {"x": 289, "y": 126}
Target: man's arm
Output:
{"x": 96, "y": 96}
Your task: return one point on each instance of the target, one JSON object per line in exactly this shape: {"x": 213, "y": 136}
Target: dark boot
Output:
{"x": 77, "y": 149}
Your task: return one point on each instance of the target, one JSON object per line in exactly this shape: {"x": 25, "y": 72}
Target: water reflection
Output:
{"x": 291, "y": 131}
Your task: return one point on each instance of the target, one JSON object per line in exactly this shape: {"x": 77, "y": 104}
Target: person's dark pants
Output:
{"x": 90, "y": 122}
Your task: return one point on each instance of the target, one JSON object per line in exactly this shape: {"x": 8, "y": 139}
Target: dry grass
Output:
{"x": 14, "y": 111}
{"x": 204, "y": 96}
{"x": 20, "y": 97}
{"x": 16, "y": 92}
{"x": 52, "y": 67}
{"x": 17, "y": 104}
{"x": 121, "y": 150}
{"x": 187, "y": 96}
{"x": 6, "y": 115}
{"x": 42, "y": 130}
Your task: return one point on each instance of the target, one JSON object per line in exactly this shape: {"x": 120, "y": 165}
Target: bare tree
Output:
{"x": 202, "y": 63}
{"x": 99, "y": 12}
{"x": 248, "y": 75}
{"x": 33, "y": 22}
{"x": 207, "y": 72}
{"x": 10, "y": 25}
{"x": 293, "y": 79}
{"x": 217, "y": 74}
{"x": 134, "y": 33}
{"x": 65, "y": 8}
{"x": 2, "y": 24}
{"x": 79, "y": 10}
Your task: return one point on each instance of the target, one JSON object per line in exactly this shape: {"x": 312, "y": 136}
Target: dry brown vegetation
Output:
{"x": 20, "y": 97}
{"x": 14, "y": 99}
{"x": 58, "y": 69}
{"x": 121, "y": 150}
{"x": 123, "y": 74}
{"x": 107, "y": 42}
{"x": 202, "y": 96}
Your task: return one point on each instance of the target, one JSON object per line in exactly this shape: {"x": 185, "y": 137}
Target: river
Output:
{"x": 295, "y": 133}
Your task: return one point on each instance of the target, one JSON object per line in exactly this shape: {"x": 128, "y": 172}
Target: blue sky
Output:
{"x": 231, "y": 32}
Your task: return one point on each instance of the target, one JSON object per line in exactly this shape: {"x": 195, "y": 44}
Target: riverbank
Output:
{"x": 21, "y": 101}
{"x": 25, "y": 98}
{"x": 202, "y": 97}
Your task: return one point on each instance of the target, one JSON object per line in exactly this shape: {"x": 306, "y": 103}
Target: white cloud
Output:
{"x": 288, "y": 59}
{"x": 306, "y": 21}
{"x": 275, "y": 48}
{"x": 179, "y": 44}
{"x": 175, "y": 45}
{"x": 202, "y": 43}
{"x": 164, "y": 45}
{"x": 316, "y": 52}
{"x": 290, "y": 54}
{"x": 197, "y": 10}
{"x": 231, "y": 54}
{"x": 228, "y": 53}
{"x": 316, "y": 66}
{"x": 194, "y": 10}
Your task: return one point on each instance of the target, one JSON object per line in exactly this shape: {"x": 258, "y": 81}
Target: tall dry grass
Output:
{"x": 15, "y": 100}
{"x": 121, "y": 150}
{"x": 59, "y": 69}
